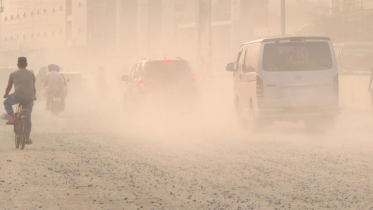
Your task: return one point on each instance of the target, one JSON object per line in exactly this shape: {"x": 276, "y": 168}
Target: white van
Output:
{"x": 288, "y": 78}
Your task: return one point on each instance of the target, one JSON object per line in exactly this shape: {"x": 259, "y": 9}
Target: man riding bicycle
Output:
{"x": 24, "y": 93}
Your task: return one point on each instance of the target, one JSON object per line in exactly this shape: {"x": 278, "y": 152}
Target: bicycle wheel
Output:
{"x": 16, "y": 133}
{"x": 17, "y": 140}
{"x": 23, "y": 133}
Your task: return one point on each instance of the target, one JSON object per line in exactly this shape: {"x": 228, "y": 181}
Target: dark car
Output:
{"x": 160, "y": 84}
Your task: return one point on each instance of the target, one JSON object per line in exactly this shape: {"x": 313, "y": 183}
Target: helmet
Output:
{"x": 51, "y": 67}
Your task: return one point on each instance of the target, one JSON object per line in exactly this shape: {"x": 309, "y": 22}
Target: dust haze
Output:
{"x": 165, "y": 154}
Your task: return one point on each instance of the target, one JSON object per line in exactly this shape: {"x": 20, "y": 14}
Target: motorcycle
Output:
{"x": 57, "y": 103}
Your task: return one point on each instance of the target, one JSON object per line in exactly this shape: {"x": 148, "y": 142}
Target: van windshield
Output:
{"x": 297, "y": 56}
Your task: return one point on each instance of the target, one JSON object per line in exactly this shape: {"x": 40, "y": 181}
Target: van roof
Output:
{"x": 286, "y": 38}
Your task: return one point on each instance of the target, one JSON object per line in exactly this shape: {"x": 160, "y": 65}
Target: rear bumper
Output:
{"x": 298, "y": 113}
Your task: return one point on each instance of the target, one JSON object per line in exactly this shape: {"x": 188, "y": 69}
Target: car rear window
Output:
{"x": 167, "y": 69}
{"x": 297, "y": 56}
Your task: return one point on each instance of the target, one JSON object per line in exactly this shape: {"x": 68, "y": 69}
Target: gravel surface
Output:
{"x": 85, "y": 161}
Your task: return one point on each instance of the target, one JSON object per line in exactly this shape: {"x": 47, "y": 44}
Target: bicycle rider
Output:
{"x": 24, "y": 93}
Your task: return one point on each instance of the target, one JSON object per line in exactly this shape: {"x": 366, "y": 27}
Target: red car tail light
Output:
{"x": 141, "y": 82}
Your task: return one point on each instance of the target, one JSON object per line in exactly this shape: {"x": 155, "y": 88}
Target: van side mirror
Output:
{"x": 230, "y": 67}
{"x": 125, "y": 78}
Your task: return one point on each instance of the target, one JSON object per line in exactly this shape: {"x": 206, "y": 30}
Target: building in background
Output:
{"x": 45, "y": 28}
{"x": 37, "y": 26}
{"x": 117, "y": 30}
{"x": 132, "y": 28}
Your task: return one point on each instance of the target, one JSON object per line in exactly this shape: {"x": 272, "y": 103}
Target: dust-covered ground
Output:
{"x": 90, "y": 157}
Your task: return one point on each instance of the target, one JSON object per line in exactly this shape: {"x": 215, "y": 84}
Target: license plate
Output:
{"x": 57, "y": 99}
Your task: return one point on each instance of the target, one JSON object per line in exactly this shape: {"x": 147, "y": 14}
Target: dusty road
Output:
{"x": 81, "y": 161}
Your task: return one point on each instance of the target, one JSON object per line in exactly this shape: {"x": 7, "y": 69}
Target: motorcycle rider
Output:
{"x": 54, "y": 83}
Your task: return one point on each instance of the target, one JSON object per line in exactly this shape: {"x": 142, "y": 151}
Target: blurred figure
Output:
{"x": 40, "y": 76}
{"x": 54, "y": 84}
{"x": 370, "y": 87}
{"x": 24, "y": 93}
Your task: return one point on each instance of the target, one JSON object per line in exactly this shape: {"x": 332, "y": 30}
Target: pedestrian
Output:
{"x": 370, "y": 88}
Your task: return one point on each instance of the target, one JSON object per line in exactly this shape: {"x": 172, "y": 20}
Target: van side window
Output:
{"x": 241, "y": 60}
{"x": 248, "y": 59}
{"x": 251, "y": 60}
{"x": 133, "y": 71}
{"x": 255, "y": 51}
{"x": 138, "y": 71}
{"x": 238, "y": 60}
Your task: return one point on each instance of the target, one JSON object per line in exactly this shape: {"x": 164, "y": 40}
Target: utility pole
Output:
{"x": 361, "y": 19}
{"x": 209, "y": 31}
{"x": 203, "y": 26}
{"x": 283, "y": 17}
{"x": 118, "y": 25}
{"x": 198, "y": 33}
{"x": 235, "y": 17}
{"x": 1, "y": 6}
{"x": 148, "y": 29}
{"x": 1, "y": 11}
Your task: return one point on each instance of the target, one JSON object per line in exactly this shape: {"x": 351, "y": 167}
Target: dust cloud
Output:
{"x": 167, "y": 155}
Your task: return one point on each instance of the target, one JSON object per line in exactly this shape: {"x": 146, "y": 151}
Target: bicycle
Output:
{"x": 19, "y": 128}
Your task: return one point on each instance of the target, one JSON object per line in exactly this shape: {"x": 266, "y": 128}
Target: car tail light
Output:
{"x": 193, "y": 79}
{"x": 259, "y": 87}
{"x": 141, "y": 82}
